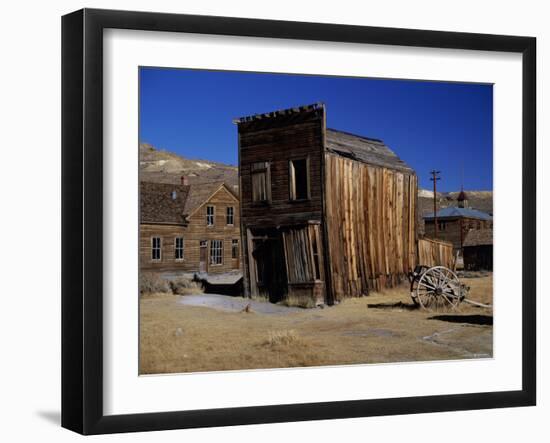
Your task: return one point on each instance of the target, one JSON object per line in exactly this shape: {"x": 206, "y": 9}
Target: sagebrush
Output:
{"x": 151, "y": 283}
{"x": 185, "y": 286}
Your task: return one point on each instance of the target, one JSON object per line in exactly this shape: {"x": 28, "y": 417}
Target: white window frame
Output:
{"x": 210, "y": 218}
{"x": 153, "y": 249}
{"x": 216, "y": 252}
{"x": 176, "y": 249}
{"x": 228, "y": 216}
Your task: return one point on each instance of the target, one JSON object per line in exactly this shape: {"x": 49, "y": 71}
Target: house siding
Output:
{"x": 195, "y": 231}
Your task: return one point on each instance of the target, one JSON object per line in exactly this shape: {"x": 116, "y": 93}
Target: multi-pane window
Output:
{"x": 210, "y": 216}
{"x": 298, "y": 179}
{"x": 178, "y": 248}
{"x": 216, "y": 252}
{"x": 156, "y": 246}
{"x": 230, "y": 215}
{"x": 235, "y": 248}
{"x": 261, "y": 182}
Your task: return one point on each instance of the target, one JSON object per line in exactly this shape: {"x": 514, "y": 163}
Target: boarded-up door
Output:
{"x": 203, "y": 256}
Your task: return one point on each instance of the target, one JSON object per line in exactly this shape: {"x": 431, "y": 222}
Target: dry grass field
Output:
{"x": 383, "y": 327}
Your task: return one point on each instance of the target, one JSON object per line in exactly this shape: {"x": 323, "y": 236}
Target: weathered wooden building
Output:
{"x": 454, "y": 223}
{"x": 435, "y": 253}
{"x": 189, "y": 228}
{"x": 478, "y": 250}
{"x": 324, "y": 214}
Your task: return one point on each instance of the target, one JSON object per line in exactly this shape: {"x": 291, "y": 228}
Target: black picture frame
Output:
{"x": 82, "y": 218}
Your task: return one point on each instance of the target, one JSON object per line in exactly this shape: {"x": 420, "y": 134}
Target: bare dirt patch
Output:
{"x": 180, "y": 336}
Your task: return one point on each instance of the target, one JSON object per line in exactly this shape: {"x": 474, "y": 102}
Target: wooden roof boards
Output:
{"x": 173, "y": 204}
{"x": 162, "y": 203}
{"x": 364, "y": 149}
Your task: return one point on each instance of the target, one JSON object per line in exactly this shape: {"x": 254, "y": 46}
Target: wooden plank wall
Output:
{"x": 451, "y": 230}
{"x": 435, "y": 253}
{"x": 299, "y": 253}
{"x": 277, "y": 145}
{"x": 371, "y": 226}
{"x": 192, "y": 234}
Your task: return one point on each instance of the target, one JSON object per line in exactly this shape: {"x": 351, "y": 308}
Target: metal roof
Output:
{"x": 453, "y": 211}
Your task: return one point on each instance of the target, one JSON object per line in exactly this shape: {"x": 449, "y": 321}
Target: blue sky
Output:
{"x": 430, "y": 125}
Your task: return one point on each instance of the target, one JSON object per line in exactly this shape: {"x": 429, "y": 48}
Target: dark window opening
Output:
{"x": 210, "y": 216}
{"x": 178, "y": 248}
{"x": 299, "y": 179}
{"x": 155, "y": 248}
{"x": 230, "y": 215}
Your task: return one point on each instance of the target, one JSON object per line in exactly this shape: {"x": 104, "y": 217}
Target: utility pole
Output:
{"x": 435, "y": 178}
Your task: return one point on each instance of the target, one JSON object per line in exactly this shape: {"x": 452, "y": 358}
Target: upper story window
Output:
{"x": 261, "y": 182}
{"x": 230, "y": 215}
{"x": 298, "y": 179}
{"x": 210, "y": 216}
{"x": 178, "y": 248}
{"x": 156, "y": 248}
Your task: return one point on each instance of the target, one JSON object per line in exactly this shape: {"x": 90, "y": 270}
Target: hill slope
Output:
{"x": 166, "y": 167}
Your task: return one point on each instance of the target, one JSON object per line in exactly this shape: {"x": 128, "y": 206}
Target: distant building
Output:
{"x": 478, "y": 250}
{"x": 325, "y": 214}
{"x": 453, "y": 223}
{"x": 189, "y": 228}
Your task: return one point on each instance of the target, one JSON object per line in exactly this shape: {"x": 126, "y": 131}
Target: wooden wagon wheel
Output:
{"x": 438, "y": 288}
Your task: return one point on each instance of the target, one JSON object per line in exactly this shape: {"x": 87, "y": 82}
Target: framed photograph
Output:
{"x": 269, "y": 221}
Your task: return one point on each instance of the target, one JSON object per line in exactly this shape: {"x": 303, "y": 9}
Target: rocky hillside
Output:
{"x": 161, "y": 166}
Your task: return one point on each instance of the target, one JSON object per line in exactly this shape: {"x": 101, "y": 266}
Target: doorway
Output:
{"x": 269, "y": 260}
{"x": 203, "y": 256}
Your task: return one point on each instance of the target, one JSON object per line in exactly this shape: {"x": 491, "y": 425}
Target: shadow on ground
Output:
{"x": 398, "y": 305}
{"x": 470, "y": 319}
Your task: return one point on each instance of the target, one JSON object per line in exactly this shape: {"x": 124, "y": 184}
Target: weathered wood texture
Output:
{"x": 195, "y": 231}
{"x": 450, "y": 229}
{"x": 303, "y": 253}
{"x": 277, "y": 140}
{"x": 371, "y": 225}
{"x": 435, "y": 253}
{"x": 277, "y": 144}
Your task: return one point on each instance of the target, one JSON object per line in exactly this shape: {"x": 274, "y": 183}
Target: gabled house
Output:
{"x": 189, "y": 228}
{"x": 325, "y": 214}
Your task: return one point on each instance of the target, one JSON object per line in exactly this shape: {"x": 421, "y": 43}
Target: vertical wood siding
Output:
{"x": 435, "y": 253}
{"x": 371, "y": 225}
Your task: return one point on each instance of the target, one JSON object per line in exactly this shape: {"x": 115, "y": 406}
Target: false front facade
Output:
{"x": 324, "y": 214}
